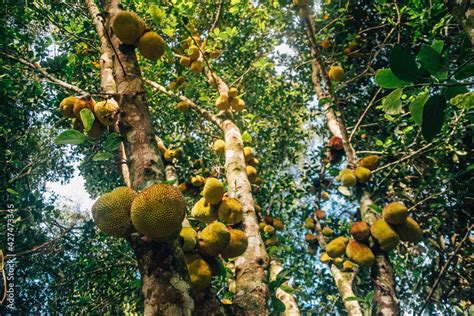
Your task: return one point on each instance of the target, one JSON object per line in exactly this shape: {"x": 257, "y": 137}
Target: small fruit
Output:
{"x": 320, "y": 214}
{"x": 371, "y": 162}
{"x": 347, "y": 51}
{"x": 325, "y": 196}
{"x": 213, "y": 191}
{"x": 189, "y": 237}
{"x": 152, "y": 46}
{"x": 196, "y": 67}
{"x": 185, "y": 61}
{"x": 360, "y": 254}
{"x": 360, "y": 231}
{"x": 248, "y": 154}
{"x": 219, "y": 147}
{"x": 310, "y": 238}
{"x": 278, "y": 224}
{"x": 222, "y": 102}
{"x": 309, "y": 223}
{"x": 183, "y": 106}
{"x": 325, "y": 43}
{"x": 193, "y": 53}
{"x": 336, "y": 73}
{"x": 198, "y": 181}
{"x": 233, "y": 92}
{"x": 363, "y": 174}
{"x": 67, "y": 106}
{"x": 327, "y": 231}
{"x": 347, "y": 178}
{"x": 324, "y": 258}
{"x": 128, "y": 27}
{"x": 335, "y": 143}
{"x": 251, "y": 173}
{"x": 269, "y": 229}
{"x": 237, "y": 104}
{"x": 336, "y": 247}
{"x": 395, "y": 213}
{"x": 385, "y": 235}
{"x": 348, "y": 266}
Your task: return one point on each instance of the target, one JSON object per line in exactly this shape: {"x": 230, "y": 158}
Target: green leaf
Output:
{"x": 386, "y": 79}
{"x": 451, "y": 92}
{"x": 11, "y": 191}
{"x": 278, "y": 306}
{"x": 70, "y": 137}
{"x": 354, "y": 298}
{"x": 465, "y": 72}
{"x": 416, "y": 107}
{"x": 403, "y": 65}
{"x": 392, "y": 104}
{"x": 433, "y": 116}
{"x": 463, "y": 101}
{"x": 170, "y": 182}
{"x": 431, "y": 60}
{"x": 87, "y": 118}
{"x": 246, "y": 138}
{"x": 375, "y": 208}
{"x": 112, "y": 142}
{"x": 102, "y": 156}
{"x": 288, "y": 289}
{"x": 438, "y": 46}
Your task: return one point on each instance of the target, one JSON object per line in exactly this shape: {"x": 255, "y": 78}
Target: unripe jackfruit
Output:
{"x": 320, "y": 214}
{"x": 409, "y": 231}
{"x": 336, "y": 247}
{"x": 213, "y": 191}
{"x": 237, "y": 245}
{"x": 237, "y": 104}
{"x": 248, "y": 154}
{"x": 362, "y": 174}
{"x": 230, "y": 211}
{"x": 203, "y": 211}
{"x": 106, "y": 112}
{"x": 324, "y": 258}
{"x": 269, "y": 229}
{"x": 158, "y": 211}
{"x": 360, "y": 231}
{"x": 309, "y": 223}
{"x": 196, "y": 67}
{"x": 213, "y": 239}
{"x": 185, "y": 61}
{"x": 182, "y": 106}
{"x": 395, "y": 213}
{"x": 222, "y": 102}
{"x": 371, "y": 162}
{"x": 251, "y": 173}
{"x": 327, "y": 231}
{"x": 325, "y": 196}
{"x": 128, "y": 27}
{"x": 310, "y": 238}
{"x": 193, "y": 53}
{"x": 385, "y": 235}
{"x": 83, "y": 103}
{"x": 189, "y": 236}
{"x": 152, "y": 46}
{"x": 197, "y": 181}
{"x": 348, "y": 266}
{"x": 67, "y": 106}
{"x": 111, "y": 212}
{"x": 360, "y": 254}
{"x": 347, "y": 178}
{"x": 336, "y": 73}
{"x": 199, "y": 272}
{"x": 219, "y": 147}
{"x": 232, "y": 92}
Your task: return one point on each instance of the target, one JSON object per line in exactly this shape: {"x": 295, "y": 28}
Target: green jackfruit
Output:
{"x": 371, "y": 162}
{"x": 128, "y": 27}
{"x": 203, "y": 211}
{"x": 237, "y": 245}
{"x": 395, "y": 213}
{"x": 222, "y": 102}
{"x": 362, "y": 174}
{"x": 189, "y": 236}
{"x": 347, "y": 178}
{"x": 67, "y": 106}
{"x": 106, "y": 112}
{"x": 230, "y": 211}
{"x": 336, "y": 247}
{"x": 213, "y": 239}
{"x": 237, "y": 104}
{"x": 409, "y": 231}
{"x": 360, "y": 254}
{"x": 385, "y": 235}
{"x": 151, "y": 46}
{"x": 199, "y": 272}
{"x": 213, "y": 191}
{"x": 219, "y": 147}
{"x": 111, "y": 212}
{"x": 251, "y": 173}
{"x": 248, "y": 154}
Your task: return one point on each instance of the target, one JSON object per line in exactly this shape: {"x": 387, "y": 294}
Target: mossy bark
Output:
{"x": 291, "y": 307}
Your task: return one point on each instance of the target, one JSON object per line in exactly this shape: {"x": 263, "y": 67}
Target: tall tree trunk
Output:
{"x": 165, "y": 280}
{"x": 291, "y": 307}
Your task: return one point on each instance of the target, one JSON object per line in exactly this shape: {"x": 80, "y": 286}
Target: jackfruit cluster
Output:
{"x": 105, "y": 114}
{"x": 268, "y": 228}
{"x": 230, "y": 100}
{"x": 362, "y": 173}
{"x": 316, "y": 225}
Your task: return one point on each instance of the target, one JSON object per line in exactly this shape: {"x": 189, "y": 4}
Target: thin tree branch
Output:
{"x": 363, "y": 114}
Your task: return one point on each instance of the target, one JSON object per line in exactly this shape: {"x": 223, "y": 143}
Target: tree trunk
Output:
{"x": 384, "y": 289}
{"x": 165, "y": 280}
{"x": 291, "y": 307}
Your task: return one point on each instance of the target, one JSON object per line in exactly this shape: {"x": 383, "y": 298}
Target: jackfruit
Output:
{"x": 272, "y": 241}
{"x": 335, "y": 143}
{"x": 338, "y": 261}
{"x": 325, "y": 43}
{"x": 106, "y": 112}
{"x": 360, "y": 231}
{"x": 395, "y": 213}
{"x": 336, "y": 247}
{"x": 320, "y": 214}
{"x": 251, "y": 173}
{"x": 278, "y": 224}
{"x": 258, "y": 181}
{"x": 371, "y": 162}
{"x": 347, "y": 178}
{"x": 182, "y": 106}
{"x": 185, "y": 61}
{"x": 213, "y": 239}
{"x": 67, "y": 106}
{"x": 385, "y": 235}
{"x": 199, "y": 272}
{"x": 158, "y": 211}
{"x": 215, "y": 53}
{"x": 169, "y": 154}
{"x": 203, "y": 211}
{"x": 213, "y": 191}
{"x": 189, "y": 237}
{"x": 237, "y": 104}
{"x": 248, "y": 154}
{"x": 348, "y": 266}
{"x": 409, "y": 231}
{"x": 237, "y": 245}
{"x": 268, "y": 219}
{"x": 96, "y": 130}
{"x": 309, "y": 223}
{"x": 83, "y": 103}
{"x": 327, "y": 231}
{"x": 222, "y": 102}
{"x": 310, "y": 238}
{"x": 152, "y": 46}
{"x": 253, "y": 162}
{"x": 324, "y": 258}
{"x": 360, "y": 254}
{"x": 261, "y": 226}
{"x": 325, "y": 196}
{"x": 182, "y": 187}
{"x": 362, "y": 174}
{"x": 180, "y": 80}
{"x": 128, "y": 27}
{"x": 230, "y": 211}
{"x": 269, "y": 229}
{"x": 196, "y": 67}
{"x": 198, "y": 181}
{"x": 193, "y": 53}
{"x": 77, "y": 125}
{"x": 336, "y": 73}
{"x": 219, "y": 147}
{"x": 232, "y": 92}
{"x": 111, "y": 212}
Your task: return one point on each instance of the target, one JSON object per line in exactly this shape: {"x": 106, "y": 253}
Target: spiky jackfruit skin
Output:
{"x": 96, "y": 130}
{"x": 371, "y": 162}
{"x": 182, "y": 106}
{"x": 310, "y": 238}
{"x": 327, "y": 231}
{"x": 128, "y": 27}
{"x": 203, "y": 211}
{"x": 336, "y": 73}
{"x": 198, "y": 181}
{"x": 269, "y": 229}
{"x": 324, "y": 258}
{"x": 193, "y": 52}
{"x": 395, "y": 213}
{"x": 348, "y": 266}
{"x": 152, "y": 46}
{"x": 347, "y": 178}
{"x": 219, "y": 147}
{"x": 363, "y": 174}
{"x": 196, "y": 67}
{"x": 213, "y": 191}
{"x": 336, "y": 247}
{"x": 213, "y": 239}
{"x": 83, "y": 103}
{"x": 111, "y": 212}
{"x": 409, "y": 231}
{"x": 158, "y": 211}
{"x": 309, "y": 223}
{"x": 237, "y": 245}
{"x": 106, "y": 112}
{"x": 237, "y": 104}
{"x": 222, "y": 102}
{"x": 230, "y": 211}
{"x": 248, "y": 154}
{"x": 278, "y": 224}
{"x": 233, "y": 92}
{"x": 185, "y": 61}
{"x": 199, "y": 271}
{"x": 385, "y": 235}
{"x": 189, "y": 238}
{"x": 360, "y": 231}
{"x": 67, "y": 106}
{"x": 360, "y": 254}
{"x": 251, "y": 173}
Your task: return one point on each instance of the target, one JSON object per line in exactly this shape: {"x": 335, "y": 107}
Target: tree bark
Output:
{"x": 291, "y": 307}
{"x": 165, "y": 280}
{"x": 384, "y": 287}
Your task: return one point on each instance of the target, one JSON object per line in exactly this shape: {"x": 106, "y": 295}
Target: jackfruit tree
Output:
{"x": 236, "y": 157}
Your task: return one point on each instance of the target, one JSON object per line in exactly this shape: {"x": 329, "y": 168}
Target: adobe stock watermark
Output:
{"x": 8, "y": 262}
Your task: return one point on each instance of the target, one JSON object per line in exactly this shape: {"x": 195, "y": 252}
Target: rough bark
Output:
{"x": 291, "y": 307}
{"x": 165, "y": 281}
{"x": 384, "y": 287}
